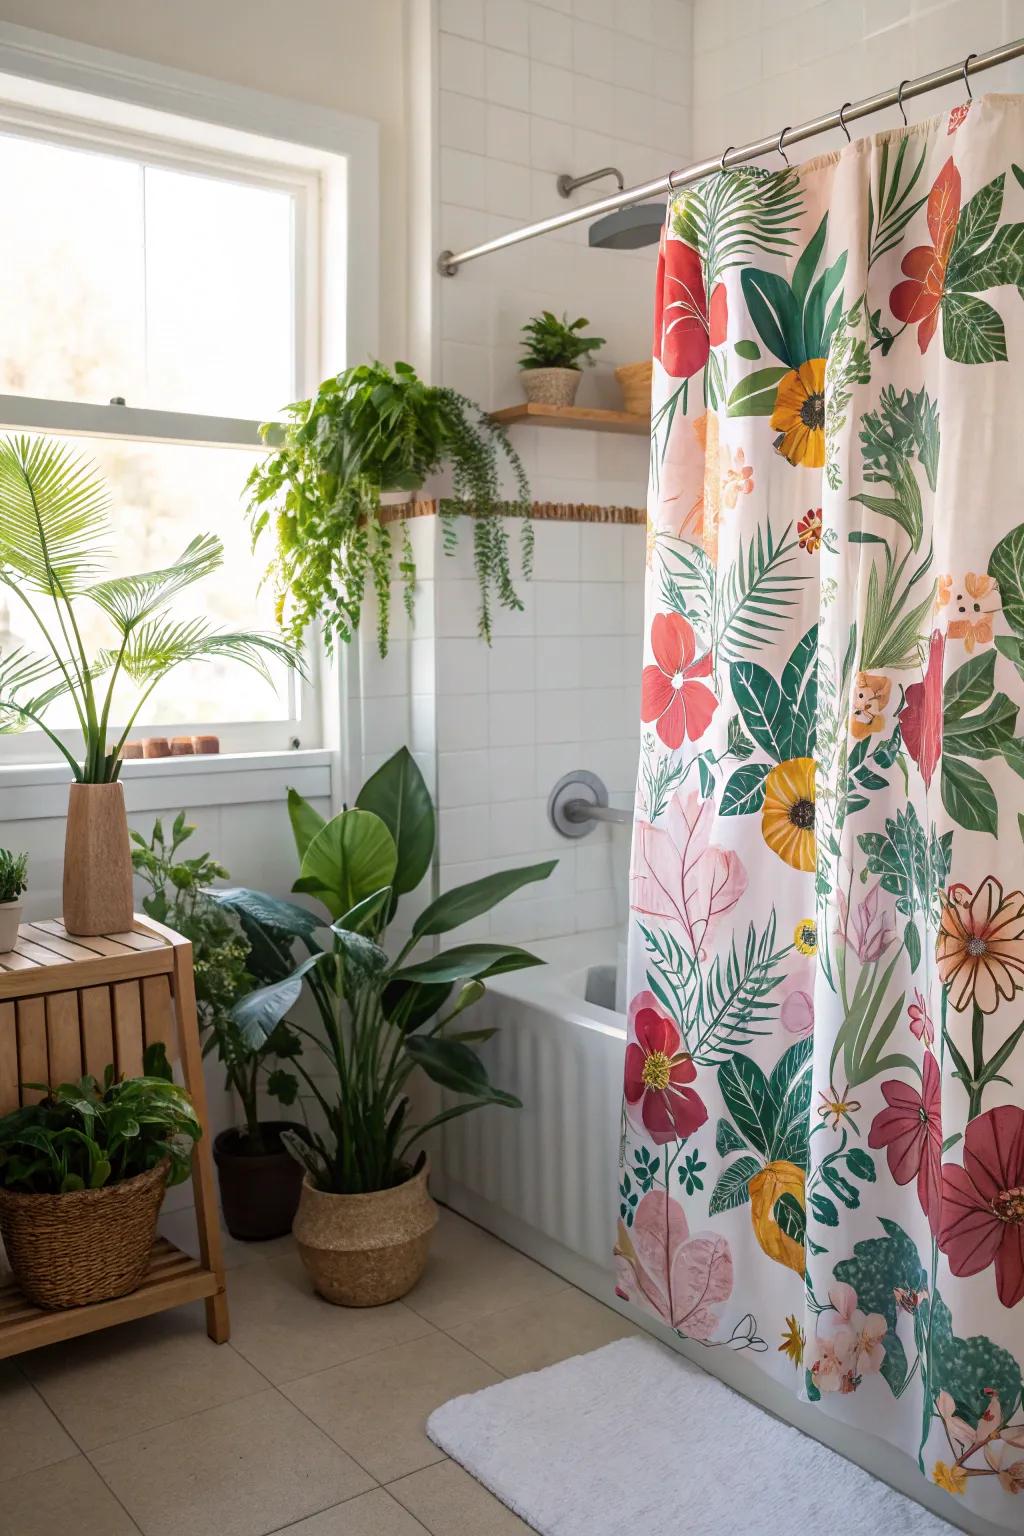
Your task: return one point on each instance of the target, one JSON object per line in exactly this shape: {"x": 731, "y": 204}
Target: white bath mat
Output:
{"x": 632, "y": 1438}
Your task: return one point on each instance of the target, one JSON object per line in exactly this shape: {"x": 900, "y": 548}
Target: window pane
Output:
{"x": 163, "y": 495}
{"x": 72, "y": 310}
{"x": 170, "y": 288}
{"x": 218, "y": 295}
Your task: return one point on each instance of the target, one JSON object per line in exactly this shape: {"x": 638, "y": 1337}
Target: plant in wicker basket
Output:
{"x": 82, "y": 1177}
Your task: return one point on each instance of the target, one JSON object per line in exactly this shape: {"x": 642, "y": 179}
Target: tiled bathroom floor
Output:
{"x": 310, "y": 1421}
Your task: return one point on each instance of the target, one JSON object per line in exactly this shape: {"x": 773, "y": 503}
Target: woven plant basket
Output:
{"x": 89, "y": 1245}
{"x": 635, "y": 383}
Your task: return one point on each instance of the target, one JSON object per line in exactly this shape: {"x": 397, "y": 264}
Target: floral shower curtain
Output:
{"x": 823, "y": 1117}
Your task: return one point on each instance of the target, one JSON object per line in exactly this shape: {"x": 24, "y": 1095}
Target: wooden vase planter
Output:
{"x": 97, "y": 861}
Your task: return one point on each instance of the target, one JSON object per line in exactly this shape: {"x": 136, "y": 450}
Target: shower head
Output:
{"x": 628, "y": 228}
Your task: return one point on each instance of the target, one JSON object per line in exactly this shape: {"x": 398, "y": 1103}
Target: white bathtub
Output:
{"x": 545, "y": 1178}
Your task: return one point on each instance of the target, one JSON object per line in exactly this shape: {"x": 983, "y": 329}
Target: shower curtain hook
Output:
{"x": 842, "y": 119}
{"x": 899, "y": 102}
{"x": 782, "y": 135}
{"x": 725, "y": 153}
{"x": 967, "y": 83}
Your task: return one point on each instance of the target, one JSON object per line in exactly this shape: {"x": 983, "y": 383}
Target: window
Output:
{"x": 159, "y": 300}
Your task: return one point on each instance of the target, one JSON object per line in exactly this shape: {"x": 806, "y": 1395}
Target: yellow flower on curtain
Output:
{"x": 799, "y": 414}
{"x": 787, "y": 820}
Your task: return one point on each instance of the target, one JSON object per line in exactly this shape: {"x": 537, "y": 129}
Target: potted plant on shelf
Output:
{"x": 54, "y": 536}
{"x": 13, "y": 880}
{"x": 367, "y": 433}
{"x": 365, "y": 1215}
{"x": 82, "y": 1178}
{"x": 259, "y": 1180}
{"x": 552, "y": 351}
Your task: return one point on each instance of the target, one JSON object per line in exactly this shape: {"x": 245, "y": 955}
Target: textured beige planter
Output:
{"x": 550, "y": 386}
{"x": 10, "y": 917}
{"x": 97, "y": 861}
{"x": 364, "y": 1250}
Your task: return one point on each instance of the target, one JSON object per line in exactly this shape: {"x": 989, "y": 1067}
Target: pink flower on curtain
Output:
{"x": 921, "y": 1026}
{"x": 685, "y": 329}
{"x": 658, "y": 1075}
{"x": 679, "y": 1276}
{"x": 910, "y": 1130}
{"x": 921, "y": 716}
{"x": 871, "y": 931}
{"x": 670, "y": 691}
{"x": 983, "y": 1202}
{"x": 849, "y": 1342}
{"x": 679, "y": 875}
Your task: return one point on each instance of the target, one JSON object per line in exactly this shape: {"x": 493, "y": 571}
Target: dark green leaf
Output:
{"x": 728, "y": 1139}
{"x": 398, "y": 795}
{"x": 457, "y": 1067}
{"x": 350, "y": 858}
{"x": 465, "y": 902}
{"x": 969, "y": 686}
{"x": 755, "y": 394}
{"x": 968, "y": 796}
{"x": 479, "y": 960}
{"x": 744, "y": 791}
{"x": 306, "y": 822}
{"x": 789, "y": 1214}
{"x": 744, "y": 1088}
{"x": 733, "y": 1187}
{"x": 762, "y": 705}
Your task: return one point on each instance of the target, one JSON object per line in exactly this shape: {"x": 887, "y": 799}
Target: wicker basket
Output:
{"x": 89, "y": 1245}
{"x": 635, "y": 383}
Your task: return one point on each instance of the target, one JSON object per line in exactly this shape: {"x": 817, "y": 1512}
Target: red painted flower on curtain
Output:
{"x": 824, "y": 1085}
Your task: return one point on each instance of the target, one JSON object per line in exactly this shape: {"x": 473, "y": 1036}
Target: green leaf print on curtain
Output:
{"x": 823, "y": 1117}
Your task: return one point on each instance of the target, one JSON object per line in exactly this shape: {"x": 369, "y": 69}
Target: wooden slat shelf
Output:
{"x": 174, "y": 1277}
{"x": 578, "y": 417}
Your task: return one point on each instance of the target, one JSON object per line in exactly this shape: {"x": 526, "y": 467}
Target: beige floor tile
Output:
{"x": 242, "y": 1469}
{"x": 285, "y": 1330}
{"x": 376, "y": 1408}
{"x": 449, "y": 1502}
{"x": 30, "y": 1436}
{"x": 372, "y": 1514}
{"x": 118, "y": 1382}
{"x": 472, "y": 1273}
{"x": 68, "y": 1499}
{"x": 530, "y": 1337}
{"x": 179, "y": 1227}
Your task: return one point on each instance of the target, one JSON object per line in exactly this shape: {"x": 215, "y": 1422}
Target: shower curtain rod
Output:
{"x": 449, "y": 262}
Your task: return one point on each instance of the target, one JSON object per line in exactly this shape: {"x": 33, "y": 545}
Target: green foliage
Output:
{"x": 368, "y": 430}
{"x": 554, "y": 343}
{"x": 879, "y": 1268}
{"x": 54, "y": 533}
{"x": 226, "y": 964}
{"x": 87, "y": 1135}
{"x": 970, "y": 1369}
{"x": 13, "y": 874}
{"x": 381, "y": 1016}
{"x": 795, "y": 320}
{"x": 913, "y": 865}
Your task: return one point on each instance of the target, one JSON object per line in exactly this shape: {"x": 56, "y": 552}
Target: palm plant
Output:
{"x": 54, "y": 538}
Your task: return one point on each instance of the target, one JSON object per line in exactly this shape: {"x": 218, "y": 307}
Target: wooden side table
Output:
{"x": 68, "y": 1006}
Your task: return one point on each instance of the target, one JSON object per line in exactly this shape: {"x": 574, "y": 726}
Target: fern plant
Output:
{"x": 366, "y": 431}
{"x": 554, "y": 343}
{"x": 54, "y": 537}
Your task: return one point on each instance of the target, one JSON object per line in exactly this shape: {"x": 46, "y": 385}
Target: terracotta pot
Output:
{"x": 259, "y": 1190}
{"x": 365, "y": 1250}
{"x": 550, "y": 386}
{"x": 97, "y": 861}
{"x": 10, "y": 917}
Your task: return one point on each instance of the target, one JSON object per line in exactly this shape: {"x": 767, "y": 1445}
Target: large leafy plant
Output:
{"x": 54, "y": 537}
{"x": 87, "y": 1135}
{"x": 226, "y": 967}
{"x": 366, "y": 431}
{"x": 379, "y": 1018}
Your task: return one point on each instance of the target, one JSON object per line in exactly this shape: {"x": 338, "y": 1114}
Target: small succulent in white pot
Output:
{"x": 13, "y": 872}
{"x": 552, "y": 352}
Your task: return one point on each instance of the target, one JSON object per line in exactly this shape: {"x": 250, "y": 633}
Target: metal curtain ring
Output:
{"x": 782, "y": 136}
{"x": 725, "y": 154}
{"x": 967, "y": 83}
{"x": 899, "y": 102}
{"x": 842, "y": 119}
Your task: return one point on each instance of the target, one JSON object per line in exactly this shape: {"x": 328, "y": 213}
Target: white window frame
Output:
{"x": 327, "y": 161}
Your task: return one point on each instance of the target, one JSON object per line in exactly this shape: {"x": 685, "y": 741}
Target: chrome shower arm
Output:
{"x": 567, "y": 184}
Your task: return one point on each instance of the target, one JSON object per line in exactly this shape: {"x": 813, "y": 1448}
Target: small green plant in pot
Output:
{"x": 366, "y": 433}
{"x": 259, "y": 1180}
{"x": 82, "y": 1177}
{"x": 365, "y": 1217}
{"x": 13, "y": 881}
{"x": 552, "y": 354}
{"x": 55, "y": 535}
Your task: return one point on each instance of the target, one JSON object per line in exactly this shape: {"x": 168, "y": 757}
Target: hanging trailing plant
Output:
{"x": 367, "y": 431}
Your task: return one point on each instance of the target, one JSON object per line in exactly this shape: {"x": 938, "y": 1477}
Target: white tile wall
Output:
{"x": 756, "y": 67}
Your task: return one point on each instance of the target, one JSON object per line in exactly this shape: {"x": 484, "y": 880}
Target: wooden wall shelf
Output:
{"x": 577, "y": 417}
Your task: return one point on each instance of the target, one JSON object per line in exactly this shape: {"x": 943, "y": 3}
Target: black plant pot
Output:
{"x": 259, "y": 1185}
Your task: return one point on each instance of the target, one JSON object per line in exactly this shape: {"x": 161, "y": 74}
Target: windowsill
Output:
{"x": 33, "y": 790}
